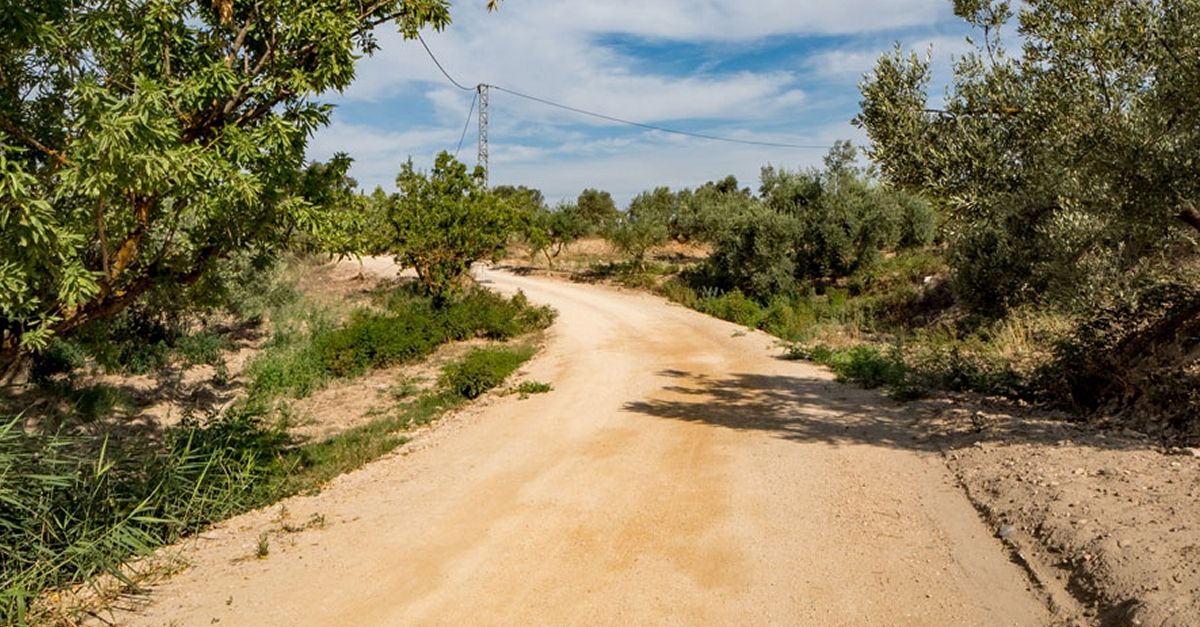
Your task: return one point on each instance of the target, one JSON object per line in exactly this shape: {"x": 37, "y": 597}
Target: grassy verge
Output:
{"x": 74, "y": 508}
{"x": 885, "y": 329}
{"x": 403, "y": 328}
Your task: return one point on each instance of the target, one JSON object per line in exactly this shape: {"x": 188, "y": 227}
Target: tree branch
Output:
{"x": 20, "y": 134}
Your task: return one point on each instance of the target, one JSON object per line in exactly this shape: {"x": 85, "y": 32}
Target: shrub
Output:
{"x": 780, "y": 319}
{"x": 60, "y": 357}
{"x": 676, "y": 290}
{"x": 374, "y": 340}
{"x": 481, "y": 370}
{"x": 409, "y": 328}
{"x": 734, "y": 307}
{"x": 532, "y": 387}
{"x": 867, "y": 366}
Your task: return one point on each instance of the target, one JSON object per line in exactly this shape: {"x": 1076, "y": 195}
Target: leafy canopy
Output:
{"x": 445, "y": 221}
{"x": 1064, "y": 167}
{"x": 140, "y": 142}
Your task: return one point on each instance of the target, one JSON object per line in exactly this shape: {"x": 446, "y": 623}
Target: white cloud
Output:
{"x": 562, "y": 50}
{"x": 854, "y": 62}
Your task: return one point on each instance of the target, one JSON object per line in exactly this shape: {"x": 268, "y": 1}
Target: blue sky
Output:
{"x": 766, "y": 70}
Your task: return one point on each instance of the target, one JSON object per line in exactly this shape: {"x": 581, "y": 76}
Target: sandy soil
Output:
{"x": 1106, "y": 514}
{"x": 679, "y": 473}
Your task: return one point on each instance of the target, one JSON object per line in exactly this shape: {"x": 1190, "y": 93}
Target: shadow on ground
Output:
{"x": 806, "y": 409}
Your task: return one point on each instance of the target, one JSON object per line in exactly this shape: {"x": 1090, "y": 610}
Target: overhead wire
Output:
{"x": 439, "y": 65}
{"x": 654, "y": 127}
{"x": 602, "y": 116}
{"x": 466, "y": 125}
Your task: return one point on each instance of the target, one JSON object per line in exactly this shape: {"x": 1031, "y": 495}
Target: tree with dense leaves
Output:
{"x": 1065, "y": 169}
{"x": 597, "y": 209}
{"x": 141, "y": 142}
{"x": 445, "y": 221}
{"x": 644, "y": 225}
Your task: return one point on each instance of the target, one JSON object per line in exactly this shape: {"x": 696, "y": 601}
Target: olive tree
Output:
{"x": 142, "y": 142}
{"x": 644, "y": 224}
{"x": 551, "y": 230}
{"x": 1066, "y": 166}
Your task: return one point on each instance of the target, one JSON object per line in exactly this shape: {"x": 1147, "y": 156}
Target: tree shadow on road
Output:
{"x": 811, "y": 409}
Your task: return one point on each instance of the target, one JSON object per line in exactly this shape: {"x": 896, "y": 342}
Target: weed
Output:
{"x": 532, "y": 387}
{"x": 263, "y": 549}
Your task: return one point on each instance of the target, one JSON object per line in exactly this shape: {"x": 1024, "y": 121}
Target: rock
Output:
{"x": 1194, "y": 452}
{"x": 1004, "y": 531}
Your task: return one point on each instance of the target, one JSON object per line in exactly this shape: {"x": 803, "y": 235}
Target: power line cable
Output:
{"x": 654, "y": 127}
{"x": 610, "y": 118}
{"x": 439, "y": 65}
{"x": 466, "y": 125}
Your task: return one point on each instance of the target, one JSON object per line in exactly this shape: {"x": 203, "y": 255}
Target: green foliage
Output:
{"x": 409, "y": 327}
{"x": 1137, "y": 355}
{"x": 707, "y": 213}
{"x": 596, "y": 209}
{"x": 755, "y": 253}
{"x": 533, "y": 387}
{"x": 142, "y": 142}
{"x": 1064, "y": 168}
{"x": 445, "y": 221}
{"x": 549, "y": 231}
{"x": 371, "y": 341}
{"x": 59, "y": 357}
{"x": 482, "y": 369}
{"x": 867, "y": 366}
{"x": 816, "y": 226}
{"x": 732, "y": 306}
{"x": 347, "y": 227}
{"x": 72, "y": 513}
{"x": 644, "y": 225}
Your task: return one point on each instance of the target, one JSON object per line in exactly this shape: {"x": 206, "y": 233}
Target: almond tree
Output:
{"x": 142, "y": 141}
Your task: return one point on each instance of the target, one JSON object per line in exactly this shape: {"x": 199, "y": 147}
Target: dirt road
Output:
{"x": 678, "y": 474}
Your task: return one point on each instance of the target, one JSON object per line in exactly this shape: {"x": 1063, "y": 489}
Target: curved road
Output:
{"x": 678, "y": 474}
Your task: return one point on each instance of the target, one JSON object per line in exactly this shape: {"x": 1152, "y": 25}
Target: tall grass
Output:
{"x": 72, "y": 512}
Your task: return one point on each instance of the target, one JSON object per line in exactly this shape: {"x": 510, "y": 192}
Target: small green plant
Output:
{"x": 532, "y": 387}
{"x": 263, "y": 549}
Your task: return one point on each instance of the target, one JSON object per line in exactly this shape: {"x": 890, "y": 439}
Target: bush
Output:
{"x": 481, "y": 370}
{"x": 734, "y": 307}
{"x": 409, "y": 328}
{"x": 676, "y": 290}
{"x": 1138, "y": 355}
{"x": 60, "y": 357}
{"x": 867, "y": 366}
{"x": 292, "y": 370}
{"x": 374, "y": 340}
{"x": 780, "y": 319}
{"x": 533, "y": 387}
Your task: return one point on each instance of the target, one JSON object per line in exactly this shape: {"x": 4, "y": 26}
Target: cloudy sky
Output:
{"x": 778, "y": 71}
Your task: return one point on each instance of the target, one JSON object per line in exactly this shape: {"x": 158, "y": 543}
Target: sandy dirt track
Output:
{"x": 678, "y": 474}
